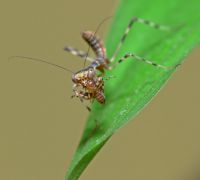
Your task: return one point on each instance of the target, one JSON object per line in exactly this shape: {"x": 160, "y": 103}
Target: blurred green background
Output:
{"x": 40, "y": 126}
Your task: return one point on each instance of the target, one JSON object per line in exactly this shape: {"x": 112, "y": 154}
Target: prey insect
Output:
{"x": 88, "y": 83}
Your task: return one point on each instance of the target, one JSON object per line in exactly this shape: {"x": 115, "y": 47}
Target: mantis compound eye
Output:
{"x": 91, "y": 73}
{"x": 74, "y": 79}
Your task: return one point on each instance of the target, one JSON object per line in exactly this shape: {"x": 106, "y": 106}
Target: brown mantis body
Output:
{"x": 88, "y": 84}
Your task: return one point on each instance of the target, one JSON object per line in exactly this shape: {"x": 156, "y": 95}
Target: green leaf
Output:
{"x": 136, "y": 83}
